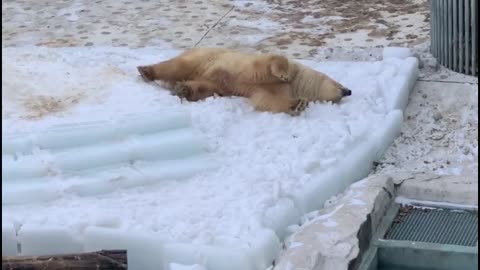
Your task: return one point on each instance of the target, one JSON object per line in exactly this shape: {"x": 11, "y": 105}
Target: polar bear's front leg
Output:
{"x": 272, "y": 98}
{"x": 197, "y": 90}
{"x": 298, "y": 107}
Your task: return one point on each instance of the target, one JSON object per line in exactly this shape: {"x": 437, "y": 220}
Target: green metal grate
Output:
{"x": 440, "y": 226}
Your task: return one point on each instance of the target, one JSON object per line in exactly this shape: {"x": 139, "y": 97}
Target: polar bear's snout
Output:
{"x": 346, "y": 92}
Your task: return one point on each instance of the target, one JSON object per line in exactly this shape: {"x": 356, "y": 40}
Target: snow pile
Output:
{"x": 271, "y": 168}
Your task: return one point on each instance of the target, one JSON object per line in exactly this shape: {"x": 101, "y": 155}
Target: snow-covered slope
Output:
{"x": 270, "y": 169}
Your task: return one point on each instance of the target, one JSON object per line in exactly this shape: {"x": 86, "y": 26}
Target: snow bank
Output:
{"x": 269, "y": 169}
{"x": 353, "y": 167}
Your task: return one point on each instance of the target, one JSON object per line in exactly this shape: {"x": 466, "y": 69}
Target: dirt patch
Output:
{"x": 37, "y": 106}
{"x": 352, "y": 23}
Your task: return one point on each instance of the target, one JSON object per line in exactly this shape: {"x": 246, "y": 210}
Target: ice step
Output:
{"x": 94, "y": 158}
{"x": 65, "y": 136}
{"x": 169, "y": 145}
{"x": 96, "y": 182}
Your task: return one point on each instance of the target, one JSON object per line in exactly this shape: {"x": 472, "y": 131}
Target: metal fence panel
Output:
{"x": 454, "y": 34}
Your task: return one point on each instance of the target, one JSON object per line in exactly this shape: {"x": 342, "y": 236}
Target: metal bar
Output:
{"x": 455, "y": 35}
{"x": 474, "y": 37}
{"x": 437, "y": 19}
{"x": 432, "y": 27}
{"x": 426, "y": 256}
{"x": 383, "y": 243}
{"x": 441, "y": 33}
{"x": 444, "y": 32}
{"x": 467, "y": 37}
{"x": 449, "y": 35}
{"x": 461, "y": 40}
{"x": 437, "y": 28}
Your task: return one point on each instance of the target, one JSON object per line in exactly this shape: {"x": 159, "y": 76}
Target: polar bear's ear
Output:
{"x": 280, "y": 62}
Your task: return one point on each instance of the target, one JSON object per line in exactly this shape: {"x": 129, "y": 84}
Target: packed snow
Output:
{"x": 270, "y": 169}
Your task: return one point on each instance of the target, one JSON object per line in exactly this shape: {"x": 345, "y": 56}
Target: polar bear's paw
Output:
{"x": 182, "y": 90}
{"x": 298, "y": 107}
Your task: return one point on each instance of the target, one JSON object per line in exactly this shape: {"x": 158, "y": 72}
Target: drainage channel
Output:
{"x": 424, "y": 238}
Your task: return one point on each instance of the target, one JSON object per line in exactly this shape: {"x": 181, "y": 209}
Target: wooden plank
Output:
{"x": 100, "y": 260}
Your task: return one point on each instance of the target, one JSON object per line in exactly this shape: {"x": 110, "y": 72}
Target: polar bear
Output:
{"x": 271, "y": 82}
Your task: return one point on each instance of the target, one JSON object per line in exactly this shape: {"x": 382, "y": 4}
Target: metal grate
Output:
{"x": 454, "y": 37}
{"x": 440, "y": 226}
